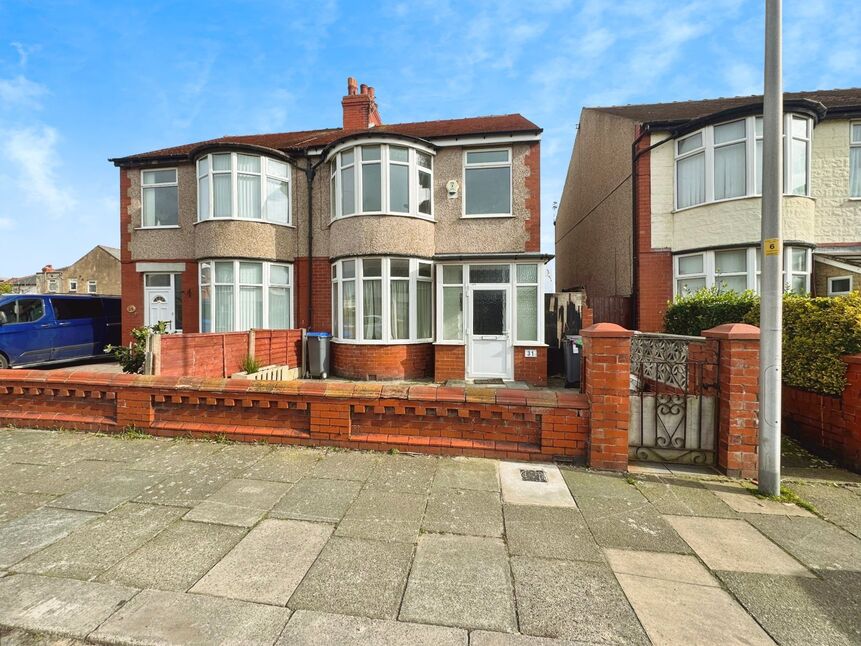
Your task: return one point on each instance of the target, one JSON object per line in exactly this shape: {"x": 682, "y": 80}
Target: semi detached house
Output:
{"x": 415, "y": 244}
{"x": 664, "y": 199}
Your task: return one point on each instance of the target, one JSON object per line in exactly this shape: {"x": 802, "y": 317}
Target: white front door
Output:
{"x": 489, "y": 350}
{"x": 160, "y": 300}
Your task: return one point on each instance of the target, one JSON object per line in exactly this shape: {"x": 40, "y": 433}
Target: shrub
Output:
{"x": 707, "y": 308}
{"x": 250, "y": 365}
{"x": 133, "y": 356}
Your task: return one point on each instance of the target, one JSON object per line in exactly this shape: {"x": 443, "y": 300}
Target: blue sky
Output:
{"x": 84, "y": 81}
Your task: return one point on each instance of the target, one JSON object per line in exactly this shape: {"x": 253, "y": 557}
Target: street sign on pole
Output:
{"x": 771, "y": 307}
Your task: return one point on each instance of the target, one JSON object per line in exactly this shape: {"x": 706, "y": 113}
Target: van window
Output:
{"x": 66, "y": 309}
{"x": 24, "y": 310}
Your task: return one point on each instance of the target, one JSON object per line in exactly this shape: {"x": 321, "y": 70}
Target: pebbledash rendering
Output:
{"x": 416, "y": 245}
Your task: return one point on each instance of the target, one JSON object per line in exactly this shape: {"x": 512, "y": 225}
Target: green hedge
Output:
{"x": 816, "y": 331}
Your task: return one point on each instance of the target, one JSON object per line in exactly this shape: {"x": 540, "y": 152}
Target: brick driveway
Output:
{"x": 144, "y": 541}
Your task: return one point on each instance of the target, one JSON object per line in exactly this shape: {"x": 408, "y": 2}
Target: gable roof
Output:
{"x": 111, "y": 250}
{"x": 304, "y": 140}
{"x": 836, "y": 103}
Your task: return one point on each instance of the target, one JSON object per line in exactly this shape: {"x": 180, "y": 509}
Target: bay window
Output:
{"x": 737, "y": 270}
{"x": 379, "y": 300}
{"x": 239, "y": 295}
{"x": 724, "y": 161}
{"x": 159, "y": 202}
{"x": 855, "y": 159}
{"x": 243, "y": 186}
{"x": 487, "y": 182}
{"x": 381, "y": 178}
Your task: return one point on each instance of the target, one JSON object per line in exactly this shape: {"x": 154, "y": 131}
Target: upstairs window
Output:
{"x": 487, "y": 183}
{"x": 724, "y": 161}
{"x": 244, "y": 187}
{"x": 855, "y": 159}
{"x": 379, "y": 179}
{"x": 73, "y": 285}
{"x": 92, "y": 287}
{"x": 159, "y": 197}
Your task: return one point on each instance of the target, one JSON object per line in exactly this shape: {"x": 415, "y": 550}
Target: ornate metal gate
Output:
{"x": 673, "y": 399}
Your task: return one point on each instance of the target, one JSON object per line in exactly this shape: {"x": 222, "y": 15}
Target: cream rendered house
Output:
{"x": 664, "y": 199}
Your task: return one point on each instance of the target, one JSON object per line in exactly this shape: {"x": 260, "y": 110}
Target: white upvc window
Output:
{"x": 855, "y": 159}
{"x": 377, "y": 178}
{"x": 92, "y": 287}
{"x": 450, "y": 294}
{"x": 527, "y": 302}
{"x": 737, "y": 270}
{"x": 839, "y": 285}
{"x": 242, "y": 186}
{"x": 239, "y": 295}
{"x": 724, "y": 161}
{"x": 159, "y": 198}
{"x": 487, "y": 183}
{"x": 73, "y": 285}
{"x": 382, "y": 300}
{"x": 53, "y": 285}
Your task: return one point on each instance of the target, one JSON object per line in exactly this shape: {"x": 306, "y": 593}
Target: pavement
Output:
{"x": 126, "y": 540}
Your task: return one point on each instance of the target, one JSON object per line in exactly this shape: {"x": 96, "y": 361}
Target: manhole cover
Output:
{"x": 533, "y": 475}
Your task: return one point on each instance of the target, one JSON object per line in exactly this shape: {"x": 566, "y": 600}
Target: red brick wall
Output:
{"x": 533, "y": 198}
{"x": 321, "y": 294}
{"x": 449, "y": 363}
{"x": 531, "y": 370}
{"x": 654, "y": 266}
{"x": 363, "y": 361}
{"x": 500, "y": 423}
{"x": 828, "y": 425}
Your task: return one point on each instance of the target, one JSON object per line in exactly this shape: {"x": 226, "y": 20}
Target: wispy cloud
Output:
{"x": 6, "y": 224}
{"x": 19, "y": 91}
{"x": 24, "y": 52}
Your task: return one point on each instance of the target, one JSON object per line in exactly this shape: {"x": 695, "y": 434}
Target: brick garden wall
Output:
{"x": 363, "y": 361}
{"x": 828, "y": 425}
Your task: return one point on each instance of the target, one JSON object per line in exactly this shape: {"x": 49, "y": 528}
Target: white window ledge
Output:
{"x": 487, "y": 216}
{"x": 740, "y": 198}
{"x": 166, "y": 226}
{"x": 383, "y": 343}
{"x": 426, "y": 218}
{"x": 258, "y": 220}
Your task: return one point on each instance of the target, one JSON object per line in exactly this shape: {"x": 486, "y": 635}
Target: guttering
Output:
{"x": 500, "y": 255}
{"x": 197, "y": 151}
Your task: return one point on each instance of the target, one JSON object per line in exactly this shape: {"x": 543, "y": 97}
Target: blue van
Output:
{"x": 48, "y": 328}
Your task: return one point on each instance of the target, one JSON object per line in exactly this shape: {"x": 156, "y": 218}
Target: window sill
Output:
{"x": 167, "y": 226}
{"x": 426, "y": 218}
{"x": 274, "y": 224}
{"x": 488, "y": 216}
{"x": 738, "y": 199}
{"x": 383, "y": 343}
{"x": 530, "y": 344}
{"x": 460, "y": 343}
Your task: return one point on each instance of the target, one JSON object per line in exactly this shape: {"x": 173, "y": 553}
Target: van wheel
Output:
{"x": 4, "y": 362}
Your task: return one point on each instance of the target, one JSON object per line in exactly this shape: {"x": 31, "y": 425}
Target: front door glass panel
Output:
{"x": 488, "y": 318}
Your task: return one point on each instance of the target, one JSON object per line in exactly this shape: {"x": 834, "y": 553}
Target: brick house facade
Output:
{"x": 663, "y": 199}
{"x": 416, "y": 244}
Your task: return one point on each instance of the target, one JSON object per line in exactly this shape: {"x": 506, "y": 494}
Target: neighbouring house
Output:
{"x": 415, "y": 244}
{"x": 97, "y": 272}
{"x": 664, "y": 199}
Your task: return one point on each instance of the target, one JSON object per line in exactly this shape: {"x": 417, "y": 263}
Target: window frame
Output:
{"x": 752, "y": 172}
{"x": 264, "y": 174}
{"x": 52, "y": 285}
{"x": 509, "y": 165}
{"x": 856, "y": 145}
{"x": 266, "y": 285}
{"x": 73, "y": 285}
{"x": 92, "y": 287}
{"x": 175, "y": 183}
{"x": 831, "y": 291}
{"x": 337, "y": 277}
{"x": 385, "y": 161}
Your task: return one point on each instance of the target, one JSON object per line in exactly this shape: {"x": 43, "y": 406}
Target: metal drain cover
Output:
{"x": 533, "y": 475}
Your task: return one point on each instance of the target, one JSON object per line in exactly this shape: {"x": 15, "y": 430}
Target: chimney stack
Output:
{"x": 360, "y": 107}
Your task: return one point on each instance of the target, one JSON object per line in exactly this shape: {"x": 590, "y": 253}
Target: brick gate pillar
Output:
{"x": 738, "y": 397}
{"x": 607, "y": 351}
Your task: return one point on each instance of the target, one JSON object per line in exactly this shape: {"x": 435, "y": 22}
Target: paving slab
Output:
{"x": 816, "y": 543}
{"x": 110, "y": 492}
{"x": 836, "y": 503}
{"x": 679, "y": 602}
{"x": 63, "y": 606}
{"x": 565, "y": 598}
{"x": 597, "y": 484}
{"x": 13, "y": 505}
{"x": 47, "y": 447}
{"x": 404, "y": 473}
{"x": 238, "y": 457}
{"x": 317, "y": 499}
{"x": 797, "y": 611}
{"x": 93, "y": 548}
{"x": 518, "y": 489}
{"x": 34, "y": 531}
{"x": 15, "y": 637}
{"x": 187, "y": 487}
{"x": 346, "y": 465}
{"x": 683, "y": 497}
{"x": 461, "y": 581}
{"x": 25, "y": 478}
{"x": 240, "y": 503}
{"x": 742, "y": 500}
{"x": 630, "y": 524}
{"x": 177, "y": 455}
{"x": 467, "y": 473}
{"x": 384, "y": 516}
{"x": 325, "y": 629}
{"x": 735, "y": 545}
{"x": 488, "y": 638}
{"x": 268, "y": 564}
{"x": 175, "y": 559}
{"x": 464, "y": 511}
{"x": 120, "y": 449}
{"x": 356, "y": 577}
{"x": 549, "y": 532}
{"x": 157, "y": 617}
{"x": 69, "y": 477}
{"x": 284, "y": 465}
